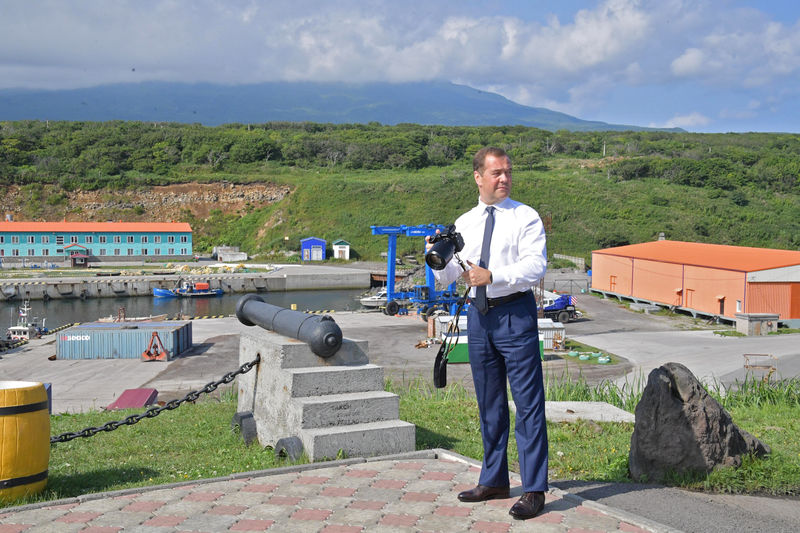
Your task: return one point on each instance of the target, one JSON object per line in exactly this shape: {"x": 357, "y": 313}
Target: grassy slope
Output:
{"x": 588, "y": 210}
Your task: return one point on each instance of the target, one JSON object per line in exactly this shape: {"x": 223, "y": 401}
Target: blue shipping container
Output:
{"x": 101, "y": 340}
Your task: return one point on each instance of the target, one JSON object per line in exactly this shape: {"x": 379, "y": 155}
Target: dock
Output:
{"x": 282, "y": 278}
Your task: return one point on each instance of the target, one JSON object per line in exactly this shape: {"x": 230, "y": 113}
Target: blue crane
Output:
{"x": 426, "y": 295}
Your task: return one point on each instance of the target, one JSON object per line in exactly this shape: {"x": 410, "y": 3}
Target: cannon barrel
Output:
{"x": 321, "y": 333}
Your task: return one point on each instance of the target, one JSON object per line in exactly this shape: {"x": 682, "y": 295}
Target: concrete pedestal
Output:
{"x": 334, "y": 405}
{"x": 756, "y": 323}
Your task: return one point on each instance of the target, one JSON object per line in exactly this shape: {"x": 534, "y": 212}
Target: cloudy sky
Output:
{"x": 703, "y": 65}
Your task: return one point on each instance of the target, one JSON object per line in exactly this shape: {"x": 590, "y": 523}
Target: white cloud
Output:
{"x": 691, "y": 121}
{"x": 689, "y": 63}
{"x": 747, "y": 55}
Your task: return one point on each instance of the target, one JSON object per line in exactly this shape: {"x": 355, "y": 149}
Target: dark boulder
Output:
{"x": 680, "y": 428}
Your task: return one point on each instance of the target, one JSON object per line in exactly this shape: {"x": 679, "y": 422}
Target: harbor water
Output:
{"x": 59, "y": 312}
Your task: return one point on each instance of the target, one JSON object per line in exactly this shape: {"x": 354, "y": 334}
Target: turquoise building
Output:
{"x": 80, "y": 243}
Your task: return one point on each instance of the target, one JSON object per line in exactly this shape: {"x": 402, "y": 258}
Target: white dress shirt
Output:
{"x": 517, "y": 256}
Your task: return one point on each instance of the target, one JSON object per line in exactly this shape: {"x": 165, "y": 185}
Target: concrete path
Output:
{"x": 409, "y": 493}
{"x": 648, "y": 341}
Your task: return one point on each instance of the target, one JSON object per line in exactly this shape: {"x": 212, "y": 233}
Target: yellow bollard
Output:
{"x": 24, "y": 439}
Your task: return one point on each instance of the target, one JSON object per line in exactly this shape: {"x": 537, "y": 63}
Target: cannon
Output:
{"x": 321, "y": 333}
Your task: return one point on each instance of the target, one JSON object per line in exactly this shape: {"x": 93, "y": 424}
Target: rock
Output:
{"x": 680, "y": 428}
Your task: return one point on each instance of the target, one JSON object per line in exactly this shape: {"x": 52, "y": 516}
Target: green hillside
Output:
{"x": 597, "y": 189}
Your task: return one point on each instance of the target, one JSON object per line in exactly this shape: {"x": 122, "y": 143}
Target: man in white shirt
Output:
{"x": 504, "y": 247}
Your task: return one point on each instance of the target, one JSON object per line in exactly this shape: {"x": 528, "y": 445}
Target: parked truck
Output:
{"x": 558, "y": 307}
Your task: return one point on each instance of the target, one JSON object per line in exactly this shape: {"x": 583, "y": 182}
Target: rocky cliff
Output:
{"x": 157, "y": 204}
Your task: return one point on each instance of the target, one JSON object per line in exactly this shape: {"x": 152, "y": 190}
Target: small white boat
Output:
{"x": 122, "y": 317}
{"x": 26, "y": 327}
{"x": 374, "y": 300}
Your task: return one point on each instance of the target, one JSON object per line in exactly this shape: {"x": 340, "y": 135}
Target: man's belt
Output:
{"x": 502, "y": 300}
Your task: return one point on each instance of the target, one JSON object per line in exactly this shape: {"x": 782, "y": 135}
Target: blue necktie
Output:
{"x": 481, "y": 301}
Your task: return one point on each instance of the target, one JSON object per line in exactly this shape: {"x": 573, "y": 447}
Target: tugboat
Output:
{"x": 25, "y": 329}
{"x": 188, "y": 289}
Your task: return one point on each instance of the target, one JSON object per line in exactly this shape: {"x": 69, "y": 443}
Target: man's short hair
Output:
{"x": 480, "y": 157}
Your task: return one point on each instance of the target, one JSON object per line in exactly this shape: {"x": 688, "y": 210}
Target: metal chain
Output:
{"x": 157, "y": 410}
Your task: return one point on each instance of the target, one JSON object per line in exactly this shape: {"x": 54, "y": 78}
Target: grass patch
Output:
{"x": 197, "y": 442}
{"x": 729, "y": 333}
{"x": 189, "y": 443}
{"x": 784, "y": 331}
{"x": 563, "y": 389}
{"x": 570, "y": 344}
{"x": 778, "y": 473}
{"x": 572, "y": 347}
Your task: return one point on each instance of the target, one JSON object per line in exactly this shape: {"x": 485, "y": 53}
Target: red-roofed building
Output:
{"x": 79, "y": 243}
{"x": 708, "y": 279}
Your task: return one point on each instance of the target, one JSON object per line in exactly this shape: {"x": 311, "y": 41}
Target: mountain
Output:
{"x": 418, "y": 103}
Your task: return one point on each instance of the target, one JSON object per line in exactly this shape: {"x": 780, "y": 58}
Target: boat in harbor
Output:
{"x": 27, "y": 328}
{"x": 188, "y": 289}
{"x": 121, "y": 316}
{"x": 373, "y": 300}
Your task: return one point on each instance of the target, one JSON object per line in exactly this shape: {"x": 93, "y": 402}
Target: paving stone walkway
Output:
{"x": 407, "y": 493}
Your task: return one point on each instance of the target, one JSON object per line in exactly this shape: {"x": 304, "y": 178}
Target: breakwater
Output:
{"x": 290, "y": 278}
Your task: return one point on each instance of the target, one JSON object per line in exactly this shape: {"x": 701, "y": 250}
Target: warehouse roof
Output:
{"x": 96, "y": 227}
{"x": 741, "y": 258}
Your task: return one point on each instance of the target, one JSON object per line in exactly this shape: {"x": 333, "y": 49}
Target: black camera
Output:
{"x": 444, "y": 246}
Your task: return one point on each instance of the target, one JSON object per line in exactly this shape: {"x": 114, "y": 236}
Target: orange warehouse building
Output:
{"x": 707, "y": 279}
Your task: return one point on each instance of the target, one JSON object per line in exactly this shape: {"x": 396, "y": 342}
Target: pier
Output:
{"x": 282, "y": 278}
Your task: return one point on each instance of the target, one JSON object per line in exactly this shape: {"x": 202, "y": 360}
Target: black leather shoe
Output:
{"x": 483, "y": 493}
{"x": 528, "y": 506}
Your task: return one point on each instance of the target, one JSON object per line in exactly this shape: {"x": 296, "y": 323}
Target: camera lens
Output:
{"x": 440, "y": 254}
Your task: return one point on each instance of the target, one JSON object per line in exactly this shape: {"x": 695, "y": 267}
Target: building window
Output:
{"x": 130, "y": 239}
{"x": 59, "y": 239}
{"x": 15, "y": 239}
{"x": 73, "y": 239}
{"x": 102, "y": 251}
{"x": 116, "y": 251}
{"x": 15, "y": 252}
{"x": 31, "y": 251}
{"x": 2, "y": 252}
{"x": 144, "y": 251}
{"x": 31, "y": 239}
{"x": 130, "y": 251}
{"x": 89, "y": 239}
{"x": 157, "y": 239}
{"x": 738, "y": 306}
{"x": 144, "y": 239}
{"x": 184, "y": 251}
{"x": 171, "y": 251}
{"x": 184, "y": 238}
{"x": 157, "y": 251}
{"x": 102, "y": 239}
{"x": 45, "y": 239}
{"x": 171, "y": 239}
{"x": 117, "y": 239}
{"x": 2, "y": 239}
{"x": 45, "y": 252}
